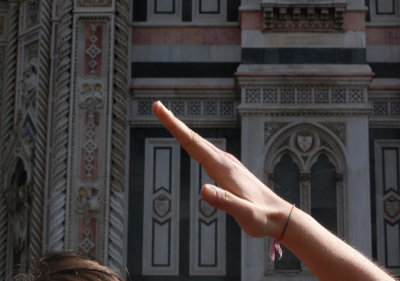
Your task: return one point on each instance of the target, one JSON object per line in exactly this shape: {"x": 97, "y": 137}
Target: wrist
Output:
{"x": 280, "y": 220}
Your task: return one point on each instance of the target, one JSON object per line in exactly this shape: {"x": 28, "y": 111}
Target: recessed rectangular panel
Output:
{"x": 386, "y": 201}
{"x": 161, "y": 243}
{"x": 392, "y": 245}
{"x": 207, "y": 227}
{"x": 390, "y": 168}
{"x": 164, "y": 6}
{"x": 208, "y": 244}
{"x": 209, "y": 6}
{"x": 162, "y": 168}
{"x": 160, "y": 254}
{"x": 385, "y": 7}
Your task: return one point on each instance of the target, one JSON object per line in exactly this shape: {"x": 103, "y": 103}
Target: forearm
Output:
{"x": 328, "y": 257}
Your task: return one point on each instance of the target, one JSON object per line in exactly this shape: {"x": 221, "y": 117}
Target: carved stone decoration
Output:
{"x": 87, "y": 199}
{"x": 391, "y": 207}
{"x": 41, "y": 116}
{"x": 87, "y": 236}
{"x": 91, "y": 100}
{"x": 340, "y": 204}
{"x": 271, "y": 128}
{"x": 58, "y": 169}
{"x": 16, "y": 200}
{"x": 293, "y": 16}
{"x": 93, "y": 46}
{"x": 161, "y": 206}
{"x": 29, "y": 84}
{"x": 339, "y": 129}
{"x": 304, "y": 141}
{"x": 305, "y": 192}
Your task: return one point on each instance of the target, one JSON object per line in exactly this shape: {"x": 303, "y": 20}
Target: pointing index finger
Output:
{"x": 197, "y": 147}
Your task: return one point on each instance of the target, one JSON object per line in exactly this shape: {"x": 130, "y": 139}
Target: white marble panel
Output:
{"x": 186, "y": 53}
{"x": 162, "y": 235}
{"x": 358, "y": 185}
{"x": 209, "y": 6}
{"x": 208, "y": 244}
{"x": 161, "y": 207}
{"x": 253, "y": 249}
{"x": 162, "y": 168}
{"x": 164, "y": 6}
{"x": 386, "y": 53}
{"x": 207, "y": 226}
{"x": 348, "y": 39}
{"x": 390, "y": 172}
{"x": 393, "y": 245}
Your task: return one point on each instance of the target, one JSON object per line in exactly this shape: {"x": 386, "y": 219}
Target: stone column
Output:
{"x": 358, "y": 186}
{"x": 96, "y": 179}
{"x": 253, "y": 249}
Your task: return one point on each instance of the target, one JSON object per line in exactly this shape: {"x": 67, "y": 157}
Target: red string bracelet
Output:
{"x": 275, "y": 246}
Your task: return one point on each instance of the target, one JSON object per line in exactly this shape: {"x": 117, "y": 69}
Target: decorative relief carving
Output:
{"x": 299, "y": 94}
{"x": 302, "y": 17}
{"x": 162, "y": 205}
{"x": 61, "y": 113}
{"x": 87, "y": 200}
{"x": 29, "y": 84}
{"x": 305, "y": 193}
{"x": 339, "y": 129}
{"x": 91, "y": 100}
{"x": 304, "y": 141}
{"x": 190, "y": 108}
{"x": 271, "y": 128}
{"x": 391, "y": 207}
{"x": 87, "y": 236}
{"x": 7, "y": 119}
{"x": 386, "y": 108}
{"x": 93, "y": 49}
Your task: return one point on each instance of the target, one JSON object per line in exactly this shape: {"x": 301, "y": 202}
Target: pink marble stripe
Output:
{"x": 383, "y": 35}
{"x": 186, "y": 35}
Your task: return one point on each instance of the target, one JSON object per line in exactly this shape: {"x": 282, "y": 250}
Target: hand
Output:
{"x": 258, "y": 210}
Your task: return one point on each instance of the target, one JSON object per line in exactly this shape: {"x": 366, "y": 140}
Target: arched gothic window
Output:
{"x": 304, "y": 165}
{"x": 287, "y": 185}
{"x": 323, "y": 193}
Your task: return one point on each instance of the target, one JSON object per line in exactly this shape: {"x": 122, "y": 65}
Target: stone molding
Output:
{"x": 303, "y": 16}
{"x": 59, "y": 186}
{"x": 195, "y": 111}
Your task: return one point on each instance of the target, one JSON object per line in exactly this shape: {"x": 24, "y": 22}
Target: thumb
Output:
{"x": 240, "y": 209}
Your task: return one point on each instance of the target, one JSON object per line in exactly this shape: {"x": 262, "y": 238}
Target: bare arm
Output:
{"x": 260, "y": 212}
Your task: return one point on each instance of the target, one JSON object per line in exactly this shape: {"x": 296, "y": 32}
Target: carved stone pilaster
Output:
{"x": 340, "y": 205}
{"x": 7, "y": 121}
{"x": 119, "y": 137}
{"x": 61, "y": 113}
{"x": 305, "y": 192}
{"x": 41, "y": 129}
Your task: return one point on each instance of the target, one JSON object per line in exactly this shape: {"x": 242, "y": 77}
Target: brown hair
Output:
{"x": 69, "y": 266}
